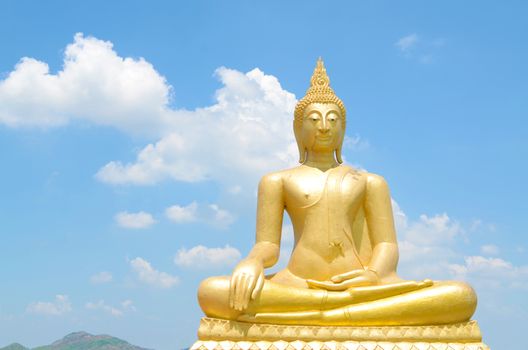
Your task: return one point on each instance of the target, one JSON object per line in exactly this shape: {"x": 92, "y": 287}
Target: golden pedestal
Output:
{"x": 218, "y": 334}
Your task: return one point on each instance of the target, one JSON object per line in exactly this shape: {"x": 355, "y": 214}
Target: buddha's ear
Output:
{"x": 300, "y": 145}
{"x": 302, "y": 154}
{"x": 338, "y": 155}
{"x": 339, "y": 158}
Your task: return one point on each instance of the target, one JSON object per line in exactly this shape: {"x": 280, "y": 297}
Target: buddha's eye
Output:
{"x": 332, "y": 118}
{"x": 314, "y": 117}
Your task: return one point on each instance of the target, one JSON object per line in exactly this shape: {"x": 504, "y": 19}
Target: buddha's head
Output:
{"x": 319, "y": 123}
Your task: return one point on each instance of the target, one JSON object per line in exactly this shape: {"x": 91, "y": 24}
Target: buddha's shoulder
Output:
{"x": 278, "y": 177}
{"x": 275, "y": 178}
{"x": 375, "y": 181}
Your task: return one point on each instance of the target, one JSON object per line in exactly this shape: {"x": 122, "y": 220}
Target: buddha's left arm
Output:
{"x": 382, "y": 234}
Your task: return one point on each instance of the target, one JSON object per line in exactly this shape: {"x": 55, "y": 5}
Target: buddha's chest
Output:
{"x": 343, "y": 189}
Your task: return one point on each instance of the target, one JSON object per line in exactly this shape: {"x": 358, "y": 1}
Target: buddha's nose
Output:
{"x": 323, "y": 127}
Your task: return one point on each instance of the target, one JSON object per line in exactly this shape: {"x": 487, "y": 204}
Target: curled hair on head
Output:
{"x": 318, "y": 92}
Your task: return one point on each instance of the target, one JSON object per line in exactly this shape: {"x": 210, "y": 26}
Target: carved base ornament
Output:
{"x": 218, "y": 334}
{"x": 340, "y": 289}
{"x": 334, "y": 345}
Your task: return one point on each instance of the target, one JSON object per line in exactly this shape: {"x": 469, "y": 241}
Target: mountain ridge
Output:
{"x": 81, "y": 341}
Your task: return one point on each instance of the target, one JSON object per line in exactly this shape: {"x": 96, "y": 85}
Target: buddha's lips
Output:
{"x": 325, "y": 135}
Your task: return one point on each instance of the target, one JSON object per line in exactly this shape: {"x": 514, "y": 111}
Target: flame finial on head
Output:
{"x": 318, "y": 92}
{"x": 319, "y": 80}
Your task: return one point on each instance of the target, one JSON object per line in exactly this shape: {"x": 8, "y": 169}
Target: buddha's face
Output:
{"x": 322, "y": 127}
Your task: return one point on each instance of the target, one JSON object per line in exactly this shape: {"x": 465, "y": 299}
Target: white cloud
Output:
{"x": 60, "y": 306}
{"x": 148, "y": 275}
{"x": 407, "y": 42}
{"x": 212, "y": 214}
{"x": 433, "y": 230}
{"x": 126, "y": 305}
{"x": 428, "y": 230}
{"x": 491, "y": 272}
{"x": 139, "y": 220}
{"x": 246, "y": 133}
{"x": 489, "y": 249}
{"x": 355, "y": 143}
{"x": 101, "y": 277}
{"x": 204, "y": 257}
{"x": 430, "y": 248}
{"x": 179, "y": 214}
{"x": 219, "y": 217}
{"x": 95, "y": 84}
{"x": 101, "y": 305}
{"x": 424, "y": 50}
{"x": 426, "y": 244}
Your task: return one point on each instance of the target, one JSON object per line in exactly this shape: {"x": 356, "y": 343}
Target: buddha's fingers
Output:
{"x": 341, "y": 286}
{"x": 258, "y": 286}
{"x": 326, "y": 285}
{"x": 248, "y": 288}
{"x": 240, "y": 288}
{"x": 347, "y": 275}
{"x": 232, "y": 290}
{"x": 359, "y": 281}
{"x": 281, "y": 317}
{"x": 369, "y": 293}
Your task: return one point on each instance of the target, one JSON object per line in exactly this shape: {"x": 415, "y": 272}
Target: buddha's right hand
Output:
{"x": 246, "y": 282}
{"x": 347, "y": 280}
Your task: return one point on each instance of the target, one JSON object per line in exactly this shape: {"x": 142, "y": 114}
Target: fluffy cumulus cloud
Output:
{"x": 491, "y": 272}
{"x": 218, "y": 216}
{"x": 139, "y": 220}
{"x": 94, "y": 84}
{"x": 181, "y": 214}
{"x": 433, "y": 247}
{"x": 211, "y": 214}
{"x": 116, "y": 311}
{"x": 204, "y": 257}
{"x": 429, "y": 240}
{"x": 61, "y": 305}
{"x": 246, "y": 132}
{"x": 150, "y": 276}
{"x": 101, "y": 277}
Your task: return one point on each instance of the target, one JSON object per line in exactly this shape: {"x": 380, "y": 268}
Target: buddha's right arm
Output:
{"x": 382, "y": 234}
{"x": 266, "y": 253}
{"x": 270, "y": 210}
{"x": 248, "y": 277}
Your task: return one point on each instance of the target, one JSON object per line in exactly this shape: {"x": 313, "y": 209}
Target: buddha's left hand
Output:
{"x": 344, "y": 281}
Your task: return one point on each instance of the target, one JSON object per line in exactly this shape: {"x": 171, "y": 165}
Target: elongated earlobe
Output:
{"x": 338, "y": 155}
{"x": 302, "y": 152}
{"x": 300, "y": 145}
{"x": 302, "y": 155}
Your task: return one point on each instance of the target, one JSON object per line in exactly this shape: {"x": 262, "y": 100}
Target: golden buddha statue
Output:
{"x": 342, "y": 270}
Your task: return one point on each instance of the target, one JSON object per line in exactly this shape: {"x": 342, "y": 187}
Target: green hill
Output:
{"x": 14, "y": 346}
{"x": 82, "y": 341}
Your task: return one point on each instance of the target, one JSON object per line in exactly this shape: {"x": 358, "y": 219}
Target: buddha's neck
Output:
{"x": 322, "y": 161}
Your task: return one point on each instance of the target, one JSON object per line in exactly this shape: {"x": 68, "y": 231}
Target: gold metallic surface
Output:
{"x": 219, "y": 330}
{"x": 342, "y": 270}
{"x": 334, "y": 345}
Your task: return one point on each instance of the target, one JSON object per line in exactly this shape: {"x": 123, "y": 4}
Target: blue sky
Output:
{"x": 133, "y": 135}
